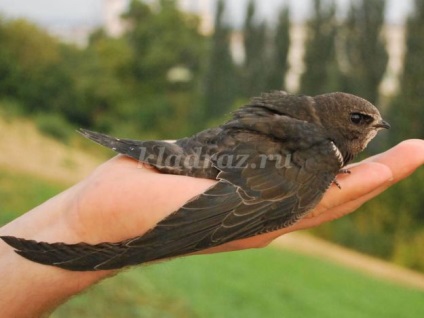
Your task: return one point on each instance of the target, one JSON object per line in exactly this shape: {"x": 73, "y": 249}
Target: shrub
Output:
{"x": 55, "y": 126}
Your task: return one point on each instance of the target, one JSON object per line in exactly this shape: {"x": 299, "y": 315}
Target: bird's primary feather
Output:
{"x": 291, "y": 154}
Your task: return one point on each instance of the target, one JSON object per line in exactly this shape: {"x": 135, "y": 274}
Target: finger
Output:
{"x": 403, "y": 159}
{"x": 363, "y": 179}
{"x": 364, "y": 184}
{"x": 368, "y": 179}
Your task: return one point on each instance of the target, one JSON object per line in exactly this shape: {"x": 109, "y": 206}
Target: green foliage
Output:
{"x": 364, "y": 48}
{"x": 255, "y": 68}
{"x": 258, "y": 283}
{"x": 279, "y": 53}
{"x": 55, "y": 126}
{"x": 220, "y": 82}
{"x": 102, "y": 82}
{"x": 10, "y": 109}
{"x": 133, "y": 82}
{"x": 266, "y": 53}
{"x": 322, "y": 72}
{"x": 30, "y": 64}
{"x": 406, "y": 113}
{"x": 165, "y": 67}
{"x": 404, "y": 203}
{"x": 162, "y": 39}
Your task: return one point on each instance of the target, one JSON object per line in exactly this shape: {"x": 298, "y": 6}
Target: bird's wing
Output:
{"x": 277, "y": 191}
{"x": 248, "y": 201}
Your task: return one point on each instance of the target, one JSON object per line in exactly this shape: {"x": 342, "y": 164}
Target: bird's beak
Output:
{"x": 382, "y": 124}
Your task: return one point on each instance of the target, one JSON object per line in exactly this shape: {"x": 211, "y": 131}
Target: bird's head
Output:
{"x": 351, "y": 121}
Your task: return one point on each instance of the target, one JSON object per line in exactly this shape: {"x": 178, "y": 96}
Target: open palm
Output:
{"x": 124, "y": 199}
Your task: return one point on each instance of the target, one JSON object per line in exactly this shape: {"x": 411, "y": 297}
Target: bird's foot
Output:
{"x": 341, "y": 171}
{"x": 337, "y": 183}
{"x": 344, "y": 171}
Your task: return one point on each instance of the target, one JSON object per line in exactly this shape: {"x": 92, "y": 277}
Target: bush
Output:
{"x": 10, "y": 109}
{"x": 54, "y": 125}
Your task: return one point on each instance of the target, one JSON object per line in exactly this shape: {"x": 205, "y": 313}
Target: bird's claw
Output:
{"x": 344, "y": 171}
{"x": 337, "y": 183}
{"x": 341, "y": 171}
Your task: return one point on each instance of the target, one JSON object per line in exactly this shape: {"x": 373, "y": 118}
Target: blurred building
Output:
{"x": 295, "y": 56}
{"x": 112, "y": 21}
{"x": 77, "y": 34}
{"x": 115, "y": 26}
{"x": 396, "y": 47}
{"x": 204, "y": 9}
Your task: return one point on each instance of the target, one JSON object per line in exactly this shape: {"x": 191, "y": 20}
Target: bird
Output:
{"x": 273, "y": 160}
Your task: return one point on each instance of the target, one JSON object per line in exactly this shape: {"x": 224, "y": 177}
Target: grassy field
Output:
{"x": 259, "y": 283}
{"x": 20, "y": 192}
{"x": 265, "y": 283}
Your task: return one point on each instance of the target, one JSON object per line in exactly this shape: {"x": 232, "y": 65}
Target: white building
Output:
{"x": 204, "y": 9}
{"x": 112, "y": 21}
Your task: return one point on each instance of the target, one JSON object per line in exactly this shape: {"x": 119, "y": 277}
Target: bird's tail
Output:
{"x": 154, "y": 152}
{"x": 74, "y": 257}
{"x": 131, "y": 148}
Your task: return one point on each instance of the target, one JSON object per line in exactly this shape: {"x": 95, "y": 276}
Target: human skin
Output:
{"x": 123, "y": 198}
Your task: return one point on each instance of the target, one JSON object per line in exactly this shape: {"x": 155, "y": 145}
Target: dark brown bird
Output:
{"x": 274, "y": 160}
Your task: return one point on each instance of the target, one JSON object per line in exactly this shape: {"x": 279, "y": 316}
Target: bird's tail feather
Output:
{"x": 157, "y": 153}
{"x": 127, "y": 147}
{"x": 75, "y": 257}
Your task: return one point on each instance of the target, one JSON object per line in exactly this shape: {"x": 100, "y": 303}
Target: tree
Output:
{"x": 166, "y": 64}
{"x": 162, "y": 38}
{"x": 365, "y": 49}
{"x": 255, "y": 67}
{"x": 220, "y": 90}
{"x": 104, "y": 81}
{"x": 406, "y": 114}
{"x": 407, "y": 110}
{"x": 31, "y": 67}
{"x": 280, "y": 50}
{"x": 321, "y": 67}
{"x": 392, "y": 226}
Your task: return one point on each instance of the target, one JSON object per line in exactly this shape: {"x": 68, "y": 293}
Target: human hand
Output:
{"x": 119, "y": 200}
{"x": 123, "y": 198}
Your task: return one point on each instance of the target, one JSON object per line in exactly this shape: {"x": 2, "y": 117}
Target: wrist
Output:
{"x": 46, "y": 286}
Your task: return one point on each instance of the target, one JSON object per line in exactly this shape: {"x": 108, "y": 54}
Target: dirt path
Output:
{"x": 303, "y": 243}
{"x": 24, "y": 149}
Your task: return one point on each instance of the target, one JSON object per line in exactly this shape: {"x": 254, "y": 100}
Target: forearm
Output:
{"x": 100, "y": 208}
{"x": 29, "y": 289}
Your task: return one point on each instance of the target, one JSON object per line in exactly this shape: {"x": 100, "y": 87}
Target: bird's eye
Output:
{"x": 360, "y": 119}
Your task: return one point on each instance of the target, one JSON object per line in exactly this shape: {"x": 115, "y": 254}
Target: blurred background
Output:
{"x": 167, "y": 69}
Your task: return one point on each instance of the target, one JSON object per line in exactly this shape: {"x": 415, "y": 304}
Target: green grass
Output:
{"x": 20, "y": 192}
{"x": 257, "y": 283}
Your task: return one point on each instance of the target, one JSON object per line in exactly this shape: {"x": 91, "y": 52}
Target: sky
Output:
{"x": 49, "y": 12}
